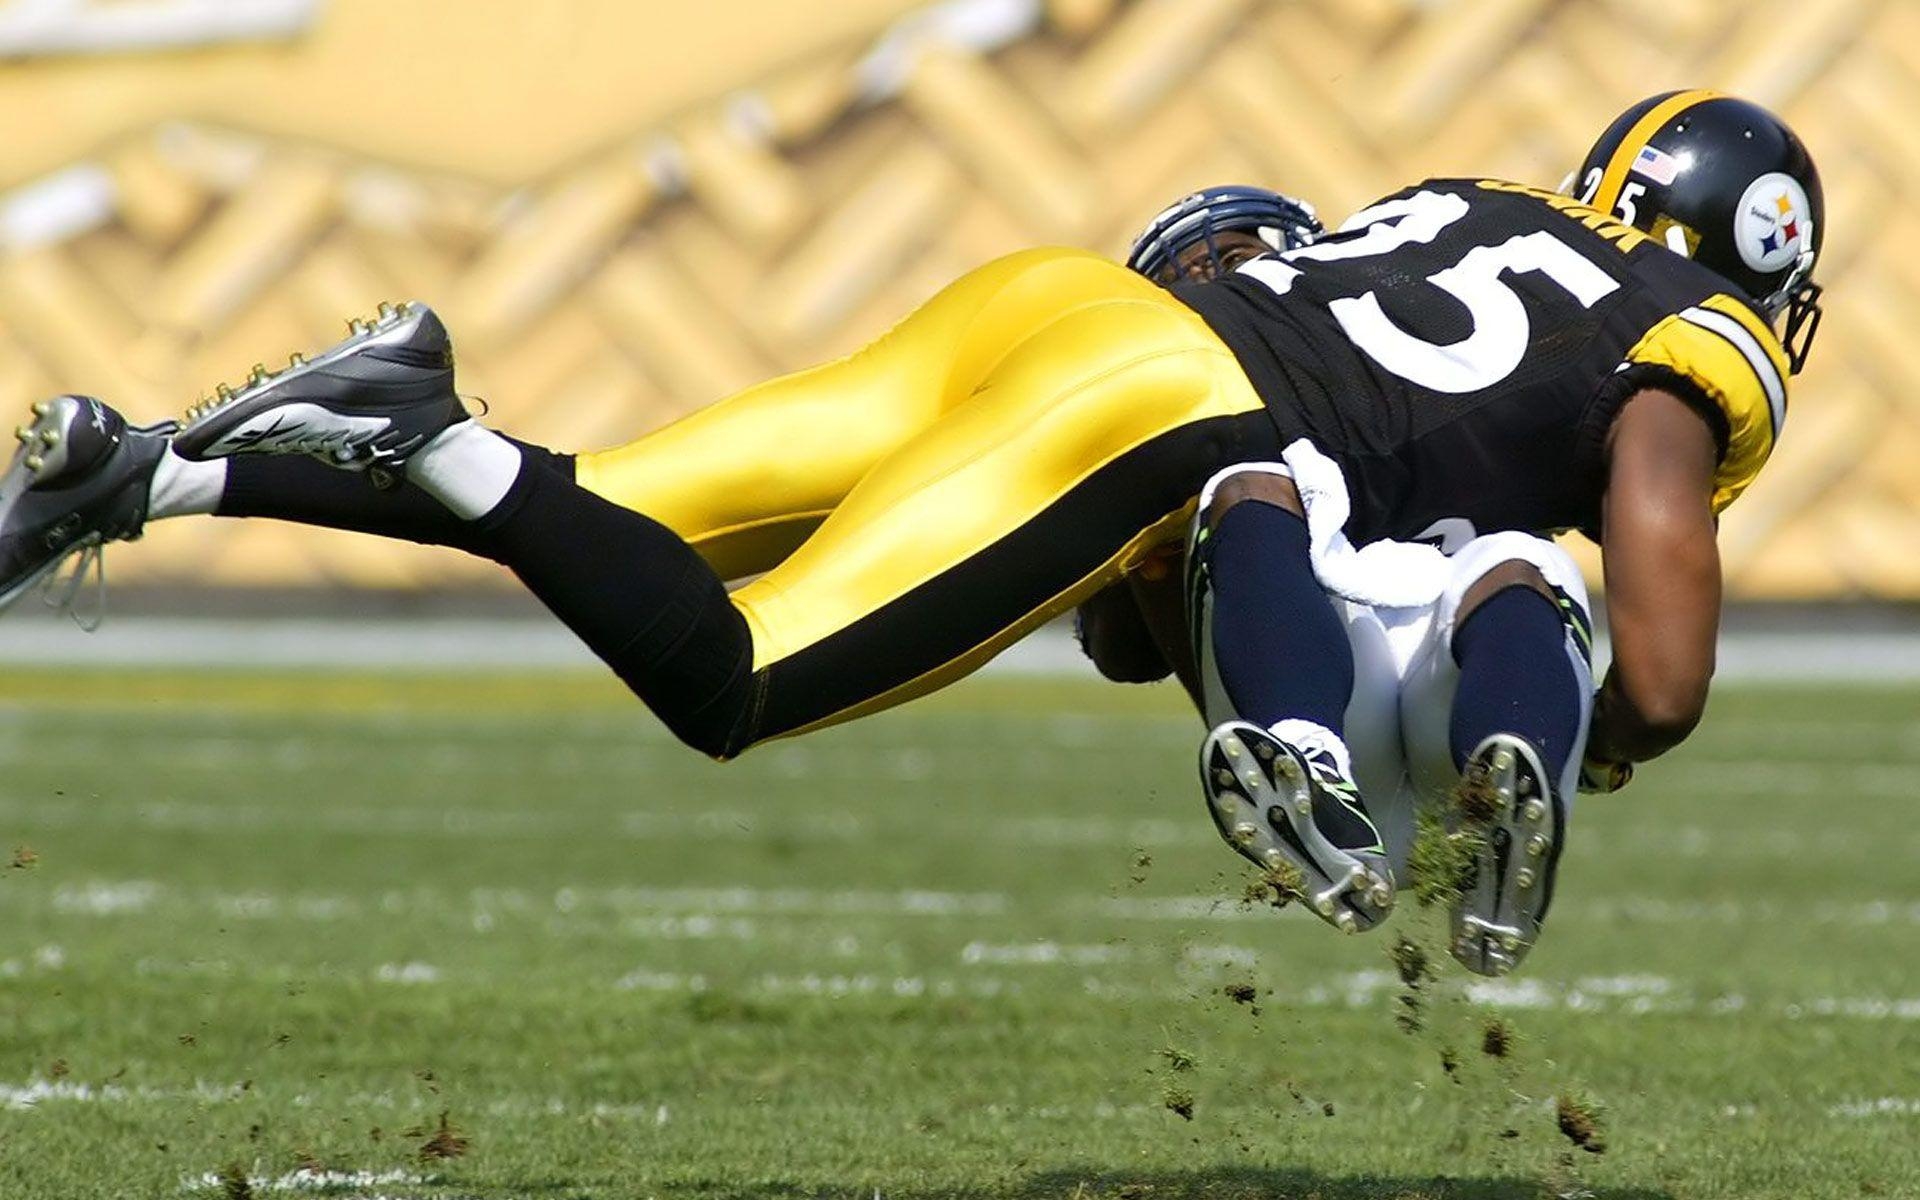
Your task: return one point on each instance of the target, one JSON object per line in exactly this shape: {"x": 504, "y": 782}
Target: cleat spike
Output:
{"x": 1232, "y": 747}
{"x": 1288, "y": 770}
{"x": 1536, "y": 846}
{"x": 1510, "y": 943}
{"x": 1534, "y": 810}
{"x": 258, "y": 375}
{"x": 295, "y": 360}
{"x": 1303, "y": 806}
{"x": 1244, "y": 832}
{"x": 1345, "y": 923}
{"x": 1381, "y": 896}
{"x": 51, "y": 437}
{"x": 1223, "y": 777}
{"x": 1263, "y": 751}
{"x": 42, "y": 407}
{"x": 24, "y": 433}
{"x": 1524, "y": 878}
{"x": 35, "y": 462}
{"x": 222, "y": 392}
{"x": 1503, "y": 760}
{"x": 1275, "y": 859}
{"x": 1323, "y": 906}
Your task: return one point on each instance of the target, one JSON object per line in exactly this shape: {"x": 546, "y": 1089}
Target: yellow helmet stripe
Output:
{"x": 1615, "y": 177}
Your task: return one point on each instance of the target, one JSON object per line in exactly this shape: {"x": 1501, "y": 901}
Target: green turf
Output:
{"x": 974, "y": 948}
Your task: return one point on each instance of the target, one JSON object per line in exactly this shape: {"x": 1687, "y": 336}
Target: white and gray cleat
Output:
{"x": 1298, "y": 817}
{"x": 78, "y": 480}
{"x": 1506, "y": 797}
{"x": 369, "y": 402}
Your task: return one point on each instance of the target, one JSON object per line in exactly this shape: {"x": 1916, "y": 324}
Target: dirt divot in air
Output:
{"x": 1414, "y": 966}
{"x": 24, "y": 858}
{"x": 1496, "y": 1040}
{"x": 1178, "y": 1100}
{"x": 1176, "y": 1097}
{"x": 445, "y": 1142}
{"x": 1245, "y": 994}
{"x": 1579, "y": 1121}
{"x": 233, "y": 1182}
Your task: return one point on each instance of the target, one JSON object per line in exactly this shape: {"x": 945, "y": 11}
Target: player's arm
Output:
{"x": 1662, "y": 569}
{"x": 1135, "y": 631}
{"x": 1114, "y": 633}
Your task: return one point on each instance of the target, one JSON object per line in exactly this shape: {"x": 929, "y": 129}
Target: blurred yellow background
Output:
{"x": 626, "y": 209}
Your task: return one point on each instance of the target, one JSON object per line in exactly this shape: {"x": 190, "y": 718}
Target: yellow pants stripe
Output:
{"x": 1015, "y": 444}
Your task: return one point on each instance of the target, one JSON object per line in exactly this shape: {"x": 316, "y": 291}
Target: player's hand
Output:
{"x": 1598, "y": 775}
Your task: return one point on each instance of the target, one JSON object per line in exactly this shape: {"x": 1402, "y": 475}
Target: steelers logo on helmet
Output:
{"x": 1773, "y": 223}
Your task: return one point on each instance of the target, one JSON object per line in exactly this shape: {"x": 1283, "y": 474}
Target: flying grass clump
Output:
{"x": 1496, "y": 1040}
{"x": 1276, "y": 887}
{"x": 1415, "y": 967}
{"x": 445, "y": 1141}
{"x": 233, "y": 1182}
{"x": 1178, "y": 1100}
{"x": 1579, "y": 1120}
{"x": 1441, "y": 864}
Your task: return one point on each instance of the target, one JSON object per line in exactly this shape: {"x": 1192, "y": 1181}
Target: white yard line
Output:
{"x": 329, "y": 1182}
{"x": 463, "y": 644}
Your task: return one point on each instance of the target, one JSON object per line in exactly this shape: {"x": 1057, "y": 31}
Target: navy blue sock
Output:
{"x": 1516, "y": 677}
{"x": 1280, "y": 649}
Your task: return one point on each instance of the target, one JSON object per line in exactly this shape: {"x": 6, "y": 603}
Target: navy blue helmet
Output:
{"x": 1282, "y": 222}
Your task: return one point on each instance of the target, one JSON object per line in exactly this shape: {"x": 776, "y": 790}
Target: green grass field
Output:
{"x": 498, "y": 938}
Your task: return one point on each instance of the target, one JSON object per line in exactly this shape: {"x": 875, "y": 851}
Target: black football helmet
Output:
{"x": 1726, "y": 183}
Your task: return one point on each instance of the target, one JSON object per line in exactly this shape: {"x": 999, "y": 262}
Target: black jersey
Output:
{"x": 1461, "y": 348}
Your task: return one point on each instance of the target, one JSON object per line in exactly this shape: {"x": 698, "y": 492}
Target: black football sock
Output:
{"x": 1279, "y": 647}
{"x": 295, "y": 488}
{"x": 1516, "y": 676}
{"x": 638, "y": 596}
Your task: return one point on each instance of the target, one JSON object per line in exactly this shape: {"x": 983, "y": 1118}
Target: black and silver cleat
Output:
{"x": 367, "y": 403}
{"x": 79, "y": 479}
{"x": 1295, "y": 815}
{"x": 1507, "y": 798}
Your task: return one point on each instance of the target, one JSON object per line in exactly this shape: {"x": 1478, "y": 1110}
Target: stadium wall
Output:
{"x": 627, "y": 210}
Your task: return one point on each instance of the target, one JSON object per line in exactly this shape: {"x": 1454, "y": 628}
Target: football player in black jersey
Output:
{"x": 1466, "y": 355}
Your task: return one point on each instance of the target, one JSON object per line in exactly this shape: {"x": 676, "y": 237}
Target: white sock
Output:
{"x": 182, "y": 487}
{"x": 1308, "y": 736}
{"x": 468, "y": 468}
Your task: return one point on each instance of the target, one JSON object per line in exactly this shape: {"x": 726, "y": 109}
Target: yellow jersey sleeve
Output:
{"x": 1735, "y": 359}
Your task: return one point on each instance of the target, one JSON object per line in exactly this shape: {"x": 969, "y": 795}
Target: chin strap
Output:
{"x": 1803, "y": 321}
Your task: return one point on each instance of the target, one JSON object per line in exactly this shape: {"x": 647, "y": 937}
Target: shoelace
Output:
{"x": 63, "y": 591}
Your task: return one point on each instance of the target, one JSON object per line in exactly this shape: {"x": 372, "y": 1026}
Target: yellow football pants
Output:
{"x": 1014, "y": 445}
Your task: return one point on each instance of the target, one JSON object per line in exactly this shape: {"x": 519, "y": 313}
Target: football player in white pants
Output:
{"x": 1400, "y": 613}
